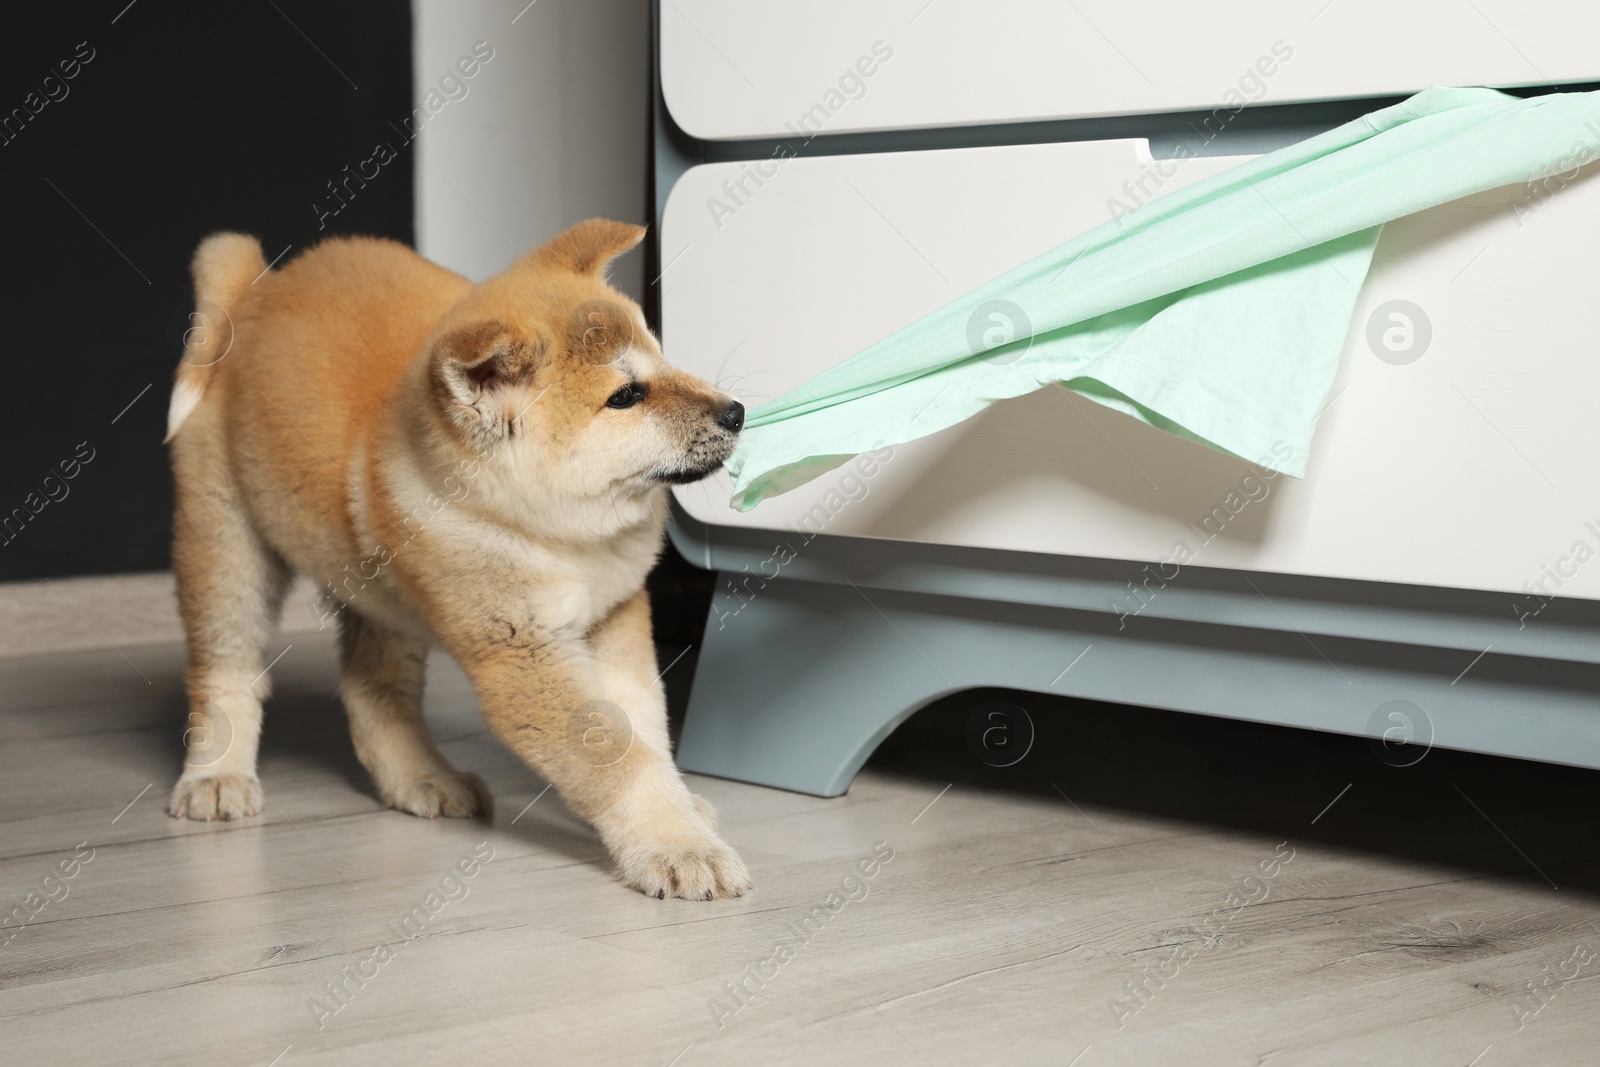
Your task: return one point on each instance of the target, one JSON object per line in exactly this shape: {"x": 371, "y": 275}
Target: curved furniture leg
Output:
{"x": 797, "y": 684}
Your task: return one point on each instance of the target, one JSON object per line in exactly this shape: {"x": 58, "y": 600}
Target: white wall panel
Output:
{"x": 553, "y": 129}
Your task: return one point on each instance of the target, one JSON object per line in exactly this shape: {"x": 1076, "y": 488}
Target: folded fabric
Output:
{"x": 1216, "y": 312}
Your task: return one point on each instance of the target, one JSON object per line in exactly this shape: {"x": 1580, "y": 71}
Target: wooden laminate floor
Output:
{"x": 1142, "y": 888}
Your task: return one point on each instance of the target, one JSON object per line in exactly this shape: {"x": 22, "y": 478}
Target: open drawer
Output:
{"x": 1456, "y": 450}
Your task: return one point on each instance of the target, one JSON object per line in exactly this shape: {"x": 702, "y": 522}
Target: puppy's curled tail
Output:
{"x": 224, "y": 266}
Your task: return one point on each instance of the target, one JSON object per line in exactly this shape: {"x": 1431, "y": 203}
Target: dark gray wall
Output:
{"x": 181, "y": 117}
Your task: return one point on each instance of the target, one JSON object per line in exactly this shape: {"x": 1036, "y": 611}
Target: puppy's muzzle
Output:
{"x": 707, "y": 457}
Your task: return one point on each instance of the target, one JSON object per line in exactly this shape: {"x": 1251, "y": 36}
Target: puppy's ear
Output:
{"x": 588, "y": 248}
{"x": 477, "y": 365}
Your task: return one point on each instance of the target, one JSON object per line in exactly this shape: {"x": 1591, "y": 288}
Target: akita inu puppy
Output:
{"x": 482, "y": 466}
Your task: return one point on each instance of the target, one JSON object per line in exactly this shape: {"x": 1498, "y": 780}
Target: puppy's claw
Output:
{"x": 206, "y": 798}
{"x": 455, "y": 796}
{"x": 699, "y": 869}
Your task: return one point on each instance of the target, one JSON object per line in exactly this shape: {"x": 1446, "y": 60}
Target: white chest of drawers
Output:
{"x": 1447, "y": 481}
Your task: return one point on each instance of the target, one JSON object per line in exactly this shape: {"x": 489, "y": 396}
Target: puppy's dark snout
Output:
{"x": 732, "y": 417}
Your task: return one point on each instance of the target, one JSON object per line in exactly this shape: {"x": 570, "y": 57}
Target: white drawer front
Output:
{"x": 1472, "y": 466}
{"x": 733, "y": 69}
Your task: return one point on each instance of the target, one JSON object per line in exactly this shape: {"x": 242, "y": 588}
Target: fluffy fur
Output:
{"x": 481, "y": 466}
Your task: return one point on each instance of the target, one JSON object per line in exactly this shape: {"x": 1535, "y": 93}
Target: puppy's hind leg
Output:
{"x": 230, "y": 590}
{"x": 382, "y": 690}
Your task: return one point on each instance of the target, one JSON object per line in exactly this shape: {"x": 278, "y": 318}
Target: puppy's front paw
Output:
{"x": 456, "y": 796}
{"x": 218, "y": 796}
{"x": 702, "y": 869}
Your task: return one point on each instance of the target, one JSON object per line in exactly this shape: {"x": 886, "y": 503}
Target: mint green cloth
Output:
{"x": 1216, "y": 312}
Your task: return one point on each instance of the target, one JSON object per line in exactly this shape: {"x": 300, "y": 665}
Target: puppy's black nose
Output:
{"x": 732, "y": 417}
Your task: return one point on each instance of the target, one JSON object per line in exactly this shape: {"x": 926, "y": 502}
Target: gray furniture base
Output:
{"x": 799, "y": 680}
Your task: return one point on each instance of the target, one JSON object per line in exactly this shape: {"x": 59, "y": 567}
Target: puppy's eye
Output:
{"x": 627, "y": 396}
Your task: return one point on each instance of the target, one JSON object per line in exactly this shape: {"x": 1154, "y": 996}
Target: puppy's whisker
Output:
{"x": 738, "y": 378}
{"x": 723, "y": 365}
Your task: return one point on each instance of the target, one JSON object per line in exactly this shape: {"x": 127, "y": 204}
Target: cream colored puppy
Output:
{"x": 481, "y": 466}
